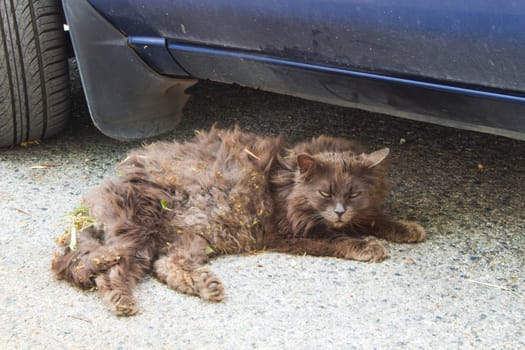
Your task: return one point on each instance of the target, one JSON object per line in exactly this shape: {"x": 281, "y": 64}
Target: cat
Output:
{"x": 176, "y": 205}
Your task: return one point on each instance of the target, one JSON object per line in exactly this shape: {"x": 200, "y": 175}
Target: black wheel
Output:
{"x": 34, "y": 79}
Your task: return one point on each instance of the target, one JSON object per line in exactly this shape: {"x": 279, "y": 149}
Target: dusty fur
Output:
{"x": 175, "y": 205}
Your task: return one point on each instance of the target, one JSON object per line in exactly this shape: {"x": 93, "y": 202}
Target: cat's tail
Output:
{"x": 80, "y": 264}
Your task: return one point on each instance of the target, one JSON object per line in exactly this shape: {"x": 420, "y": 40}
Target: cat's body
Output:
{"x": 175, "y": 205}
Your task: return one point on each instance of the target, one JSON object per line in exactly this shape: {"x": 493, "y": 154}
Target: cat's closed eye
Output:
{"x": 353, "y": 195}
{"x": 325, "y": 194}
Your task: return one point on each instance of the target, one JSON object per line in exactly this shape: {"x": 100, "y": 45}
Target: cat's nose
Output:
{"x": 339, "y": 209}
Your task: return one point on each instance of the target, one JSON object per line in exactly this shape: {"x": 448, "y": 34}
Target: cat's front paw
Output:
{"x": 410, "y": 232}
{"x": 371, "y": 251}
{"x": 208, "y": 285}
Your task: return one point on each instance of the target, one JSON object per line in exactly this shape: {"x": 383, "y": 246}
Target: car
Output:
{"x": 448, "y": 62}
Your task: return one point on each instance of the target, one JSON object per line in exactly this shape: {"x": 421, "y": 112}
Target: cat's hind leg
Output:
{"x": 182, "y": 269}
{"x": 116, "y": 284}
{"x": 117, "y": 292}
{"x": 79, "y": 267}
{"x": 198, "y": 281}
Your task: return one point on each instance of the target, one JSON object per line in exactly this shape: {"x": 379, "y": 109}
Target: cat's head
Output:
{"x": 337, "y": 189}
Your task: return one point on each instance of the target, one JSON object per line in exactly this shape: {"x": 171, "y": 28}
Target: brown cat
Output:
{"x": 175, "y": 205}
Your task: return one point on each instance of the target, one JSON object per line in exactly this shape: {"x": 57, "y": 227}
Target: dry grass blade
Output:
{"x": 251, "y": 154}
{"x": 490, "y": 285}
{"x": 29, "y": 143}
{"x": 23, "y": 211}
{"x": 80, "y": 318}
{"x": 45, "y": 166}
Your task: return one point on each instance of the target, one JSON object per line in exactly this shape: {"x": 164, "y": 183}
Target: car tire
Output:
{"x": 34, "y": 76}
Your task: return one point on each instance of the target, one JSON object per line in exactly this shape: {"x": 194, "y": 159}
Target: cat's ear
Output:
{"x": 377, "y": 157}
{"x": 305, "y": 162}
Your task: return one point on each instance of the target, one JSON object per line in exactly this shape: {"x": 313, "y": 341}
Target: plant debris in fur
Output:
{"x": 78, "y": 220}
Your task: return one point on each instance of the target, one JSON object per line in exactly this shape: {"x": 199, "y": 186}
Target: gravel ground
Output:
{"x": 462, "y": 288}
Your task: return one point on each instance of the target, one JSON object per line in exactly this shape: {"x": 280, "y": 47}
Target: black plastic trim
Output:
{"x": 126, "y": 98}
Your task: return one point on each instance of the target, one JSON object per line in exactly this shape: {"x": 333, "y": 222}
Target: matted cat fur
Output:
{"x": 175, "y": 205}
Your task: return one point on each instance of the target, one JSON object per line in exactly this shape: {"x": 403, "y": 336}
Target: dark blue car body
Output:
{"x": 456, "y": 63}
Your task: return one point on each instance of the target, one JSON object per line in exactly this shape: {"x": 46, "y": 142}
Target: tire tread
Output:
{"x": 34, "y": 76}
